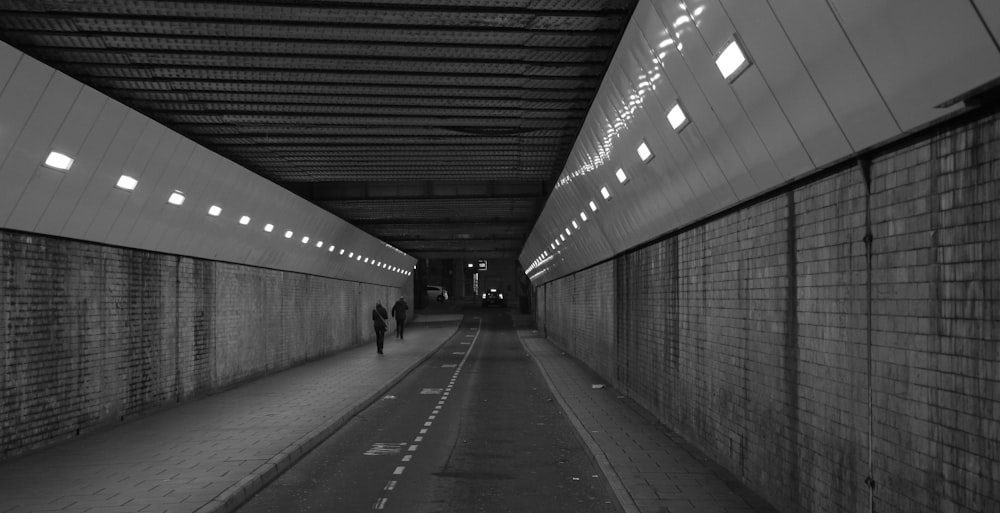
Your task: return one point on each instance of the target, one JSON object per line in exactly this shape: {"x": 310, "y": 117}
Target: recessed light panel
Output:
{"x": 731, "y": 60}
{"x": 305, "y": 240}
{"x": 330, "y": 249}
{"x": 214, "y": 210}
{"x": 644, "y": 152}
{"x": 575, "y": 225}
{"x": 245, "y": 220}
{"x": 622, "y": 177}
{"x": 676, "y": 117}
{"x": 268, "y": 227}
{"x": 57, "y": 160}
{"x": 605, "y": 193}
{"x": 176, "y": 198}
{"x": 288, "y": 234}
{"x": 319, "y": 244}
{"x": 583, "y": 216}
{"x": 127, "y": 183}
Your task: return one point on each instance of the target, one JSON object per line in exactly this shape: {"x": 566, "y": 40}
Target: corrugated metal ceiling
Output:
{"x": 437, "y": 126}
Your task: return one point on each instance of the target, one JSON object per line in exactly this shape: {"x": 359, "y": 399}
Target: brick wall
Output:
{"x": 844, "y": 328}
{"x": 93, "y": 335}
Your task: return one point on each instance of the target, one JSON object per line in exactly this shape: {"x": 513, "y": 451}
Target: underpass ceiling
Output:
{"x": 437, "y": 126}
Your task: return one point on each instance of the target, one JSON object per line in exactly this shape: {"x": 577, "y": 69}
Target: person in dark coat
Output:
{"x": 379, "y": 318}
{"x": 399, "y": 313}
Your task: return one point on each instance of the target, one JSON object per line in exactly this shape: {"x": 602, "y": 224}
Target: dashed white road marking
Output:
{"x": 418, "y": 439}
{"x": 380, "y": 503}
{"x": 398, "y": 471}
{"x": 412, "y": 448}
{"x": 408, "y": 457}
{"x": 390, "y": 486}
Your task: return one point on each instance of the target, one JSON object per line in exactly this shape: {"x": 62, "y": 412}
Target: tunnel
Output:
{"x": 633, "y": 256}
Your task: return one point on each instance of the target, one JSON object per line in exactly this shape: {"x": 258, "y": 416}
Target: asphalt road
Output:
{"x": 474, "y": 429}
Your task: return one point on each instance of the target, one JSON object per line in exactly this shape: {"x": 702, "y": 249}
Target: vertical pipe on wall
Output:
{"x": 866, "y": 172}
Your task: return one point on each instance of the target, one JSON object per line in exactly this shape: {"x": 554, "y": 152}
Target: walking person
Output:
{"x": 399, "y": 313}
{"x": 379, "y": 318}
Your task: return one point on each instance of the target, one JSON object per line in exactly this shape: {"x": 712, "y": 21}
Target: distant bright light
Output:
{"x": 568, "y": 232}
{"x": 622, "y": 178}
{"x": 214, "y": 210}
{"x": 731, "y": 60}
{"x": 593, "y": 206}
{"x": 245, "y": 220}
{"x": 583, "y": 216}
{"x": 59, "y": 161}
{"x": 268, "y": 227}
{"x": 644, "y": 152}
{"x": 126, "y": 182}
{"x": 552, "y": 245}
{"x": 359, "y": 257}
{"x": 288, "y": 234}
{"x": 562, "y": 238}
{"x": 606, "y": 193}
{"x": 676, "y": 117}
{"x": 331, "y": 248}
{"x": 305, "y": 240}
{"x": 319, "y": 244}
{"x": 366, "y": 259}
{"x": 351, "y": 255}
{"x": 575, "y": 225}
{"x": 342, "y": 252}
{"x": 469, "y": 266}
{"x": 176, "y": 198}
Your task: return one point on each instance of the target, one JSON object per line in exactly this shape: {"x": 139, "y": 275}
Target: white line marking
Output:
{"x": 382, "y": 448}
{"x": 432, "y": 417}
{"x": 427, "y": 424}
{"x": 423, "y": 431}
{"x": 398, "y": 471}
{"x": 380, "y": 504}
{"x": 449, "y": 365}
{"x": 458, "y": 352}
{"x": 418, "y": 439}
{"x": 412, "y": 448}
{"x": 465, "y": 343}
{"x": 390, "y": 486}
{"x": 408, "y": 457}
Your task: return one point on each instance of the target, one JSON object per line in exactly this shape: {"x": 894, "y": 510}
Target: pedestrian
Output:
{"x": 379, "y": 318}
{"x": 399, "y": 313}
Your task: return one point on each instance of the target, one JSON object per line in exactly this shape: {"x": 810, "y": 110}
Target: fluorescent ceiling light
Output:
{"x": 319, "y": 244}
{"x": 351, "y": 255}
{"x": 341, "y": 252}
{"x": 214, "y": 210}
{"x": 562, "y": 237}
{"x": 606, "y": 193}
{"x": 359, "y": 257}
{"x": 644, "y": 152}
{"x": 676, "y": 117}
{"x": 245, "y": 220}
{"x": 288, "y": 234}
{"x": 126, "y": 182}
{"x": 331, "y": 248}
{"x": 731, "y": 60}
{"x": 568, "y": 232}
{"x": 583, "y": 216}
{"x": 57, "y": 160}
{"x": 366, "y": 260}
{"x": 305, "y": 239}
{"x": 268, "y": 227}
{"x": 176, "y": 198}
{"x": 622, "y": 178}
{"x": 593, "y": 206}
{"x": 575, "y": 225}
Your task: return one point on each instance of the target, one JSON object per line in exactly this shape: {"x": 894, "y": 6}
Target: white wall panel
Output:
{"x": 36, "y": 139}
{"x": 794, "y": 91}
{"x": 141, "y": 166}
{"x": 990, "y": 12}
{"x": 18, "y": 101}
{"x": 9, "y": 57}
{"x": 835, "y": 69}
{"x": 921, "y": 55}
{"x": 148, "y": 201}
{"x": 110, "y": 198}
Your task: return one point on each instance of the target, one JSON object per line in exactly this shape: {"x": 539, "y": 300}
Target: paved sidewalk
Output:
{"x": 210, "y": 454}
{"x": 650, "y": 468}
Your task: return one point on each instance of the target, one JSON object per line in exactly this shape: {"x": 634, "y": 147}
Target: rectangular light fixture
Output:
{"x": 583, "y": 216}
{"x": 622, "y": 177}
{"x": 176, "y": 198}
{"x": 288, "y": 234}
{"x": 319, "y": 244}
{"x": 568, "y": 232}
{"x": 731, "y": 61}
{"x": 342, "y": 252}
{"x": 575, "y": 225}
{"x": 359, "y": 257}
{"x": 245, "y": 220}
{"x": 366, "y": 260}
{"x": 552, "y": 245}
{"x": 605, "y": 193}
{"x": 268, "y": 227}
{"x": 562, "y": 237}
{"x": 330, "y": 249}
{"x": 644, "y": 152}
{"x": 676, "y": 116}
{"x": 593, "y": 206}
{"x": 127, "y": 183}
{"x": 351, "y": 255}
{"x": 305, "y": 240}
{"x": 214, "y": 210}
{"x": 57, "y": 160}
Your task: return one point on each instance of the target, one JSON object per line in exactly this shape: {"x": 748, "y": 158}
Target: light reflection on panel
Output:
{"x": 153, "y": 146}
{"x": 156, "y": 183}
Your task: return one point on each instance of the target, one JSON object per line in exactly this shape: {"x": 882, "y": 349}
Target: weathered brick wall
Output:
{"x": 846, "y": 328}
{"x": 93, "y": 334}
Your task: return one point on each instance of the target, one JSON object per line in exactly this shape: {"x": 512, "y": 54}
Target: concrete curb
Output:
{"x": 238, "y": 493}
{"x": 625, "y": 501}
